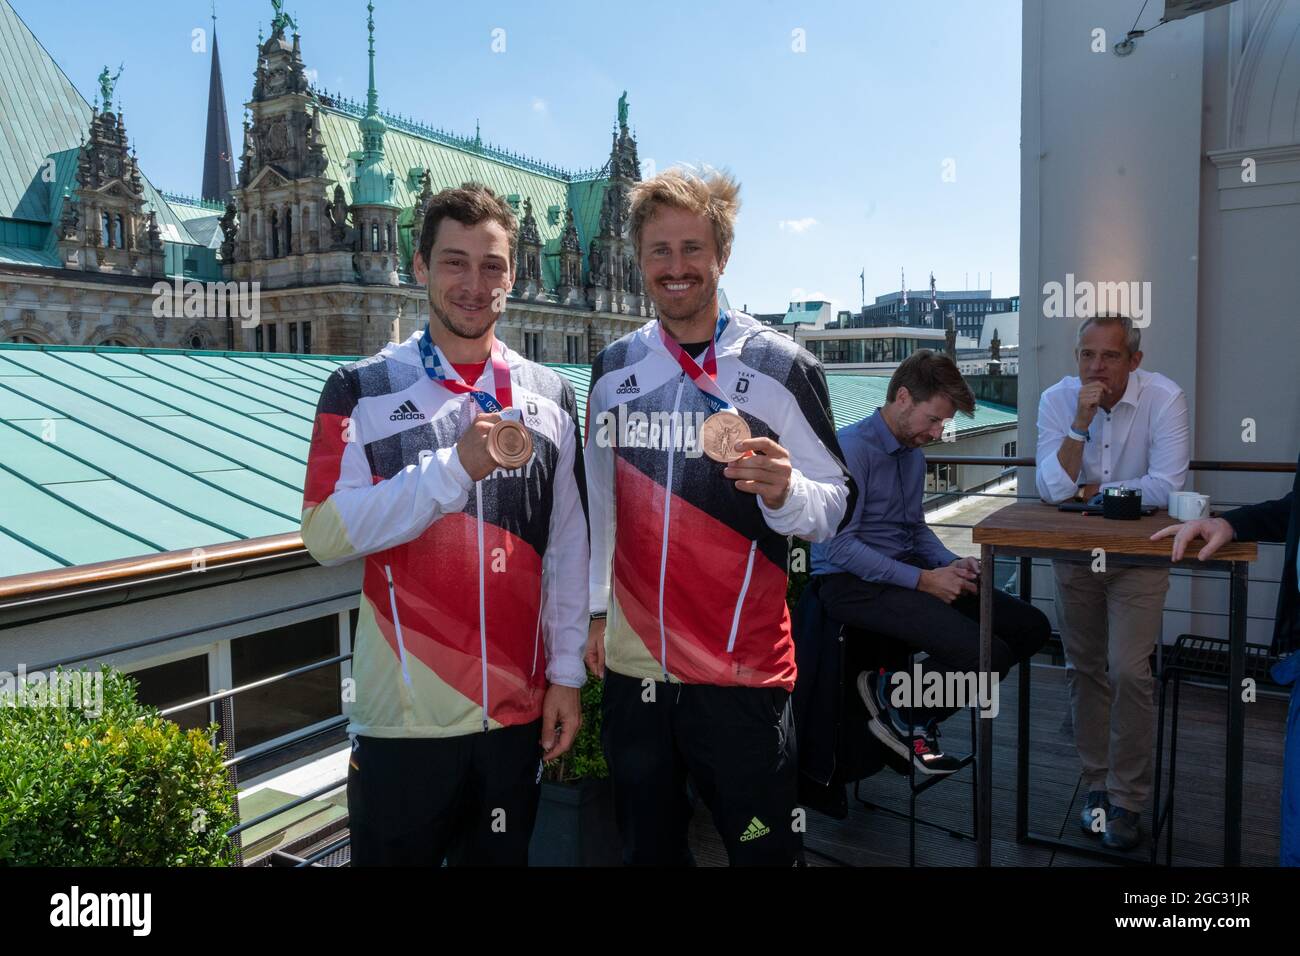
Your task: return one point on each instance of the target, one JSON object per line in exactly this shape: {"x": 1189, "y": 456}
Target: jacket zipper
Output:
{"x": 537, "y": 634}
{"x": 482, "y": 607}
{"x": 397, "y": 624}
{"x": 663, "y": 554}
{"x": 740, "y": 601}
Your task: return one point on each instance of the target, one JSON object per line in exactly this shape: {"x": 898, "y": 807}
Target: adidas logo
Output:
{"x": 406, "y": 412}
{"x": 755, "y": 830}
{"x": 629, "y": 387}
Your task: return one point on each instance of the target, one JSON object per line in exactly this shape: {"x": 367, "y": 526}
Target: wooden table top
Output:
{"x": 1032, "y": 524}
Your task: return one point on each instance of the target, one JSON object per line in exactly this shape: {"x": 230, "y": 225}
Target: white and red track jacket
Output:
{"x": 474, "y": 593}
{"x": 692, "y": 572}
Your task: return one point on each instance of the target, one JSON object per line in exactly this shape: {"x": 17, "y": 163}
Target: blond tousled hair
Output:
{"x": 714, "y": 195}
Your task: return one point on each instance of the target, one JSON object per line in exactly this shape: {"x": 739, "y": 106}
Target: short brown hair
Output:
{"x": 715, "y": 195}
{"x": 469, "y": 204}
{"x": 925, "y": 373}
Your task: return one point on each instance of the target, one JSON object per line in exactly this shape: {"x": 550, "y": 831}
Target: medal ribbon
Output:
{"x": 705, "y": 378}
{"x": 435, "y": 367}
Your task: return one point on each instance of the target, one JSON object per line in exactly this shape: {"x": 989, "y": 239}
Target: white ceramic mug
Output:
{"x": 1188, "y": 505}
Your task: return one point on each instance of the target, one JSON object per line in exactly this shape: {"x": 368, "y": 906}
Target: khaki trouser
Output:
{"x": 1110, "y": 622}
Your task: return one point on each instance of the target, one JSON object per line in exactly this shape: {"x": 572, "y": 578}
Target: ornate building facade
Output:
{"x": 320, "y": 225}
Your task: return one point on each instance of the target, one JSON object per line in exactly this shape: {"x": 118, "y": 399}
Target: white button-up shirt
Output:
{"x": 1143, "y": 442}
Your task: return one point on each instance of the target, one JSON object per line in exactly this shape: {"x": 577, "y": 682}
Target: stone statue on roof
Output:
{"x": 622, "y": 109}
{"x": 281, "y": 19}
{"x": 106, "y": 85}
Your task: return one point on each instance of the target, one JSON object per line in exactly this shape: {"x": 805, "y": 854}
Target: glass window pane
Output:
{"x": 167, "y": 685}
{"x": 290, "y": 704}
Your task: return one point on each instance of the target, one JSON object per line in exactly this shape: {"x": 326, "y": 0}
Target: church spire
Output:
{"x": 374, "y": 182}
{"x": 218, "y": 155}
{"x": 372, "y": 94}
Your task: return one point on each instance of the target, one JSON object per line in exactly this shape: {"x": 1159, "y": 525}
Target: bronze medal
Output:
{"x": 509, "y": 444}
{"x": 719, "y": 434}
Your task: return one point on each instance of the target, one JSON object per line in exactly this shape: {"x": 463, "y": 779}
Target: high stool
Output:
{"x": 1202, "y": 658}
{"x": 915, "y": 789}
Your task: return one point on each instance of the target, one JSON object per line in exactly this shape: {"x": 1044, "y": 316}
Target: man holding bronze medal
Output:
{"x": 450, "y": 464}
{"x": 690, "y": 521}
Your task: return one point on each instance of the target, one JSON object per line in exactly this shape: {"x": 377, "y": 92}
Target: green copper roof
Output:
{"x": 187, "y": 208}
{"x": 115, "y": 453}
{"x": 408, "y": 155}
{"x": 44, "y": 121}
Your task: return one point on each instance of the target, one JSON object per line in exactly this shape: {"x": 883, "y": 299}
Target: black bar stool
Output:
{"x": 890, "y": 651}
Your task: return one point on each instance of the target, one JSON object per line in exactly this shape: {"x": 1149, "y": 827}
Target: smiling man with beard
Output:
{"x": 468, "y": 651}
{"x": 888, "y": 573}
{"x": 689, "y": 551}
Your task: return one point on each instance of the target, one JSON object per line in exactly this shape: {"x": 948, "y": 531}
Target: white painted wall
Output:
{"x": 1131, "y": 170}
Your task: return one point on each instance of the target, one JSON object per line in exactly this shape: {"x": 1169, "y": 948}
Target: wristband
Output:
{"x": 1079, "y": 436}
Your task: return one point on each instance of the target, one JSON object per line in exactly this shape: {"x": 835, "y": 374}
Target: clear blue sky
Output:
{"x": 844, "y": 144}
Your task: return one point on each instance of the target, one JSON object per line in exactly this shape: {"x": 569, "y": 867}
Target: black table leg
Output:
{"x": 1022, "y": 716}
{"x": 984, "y": 743}
{"x": 1236, "y": 715}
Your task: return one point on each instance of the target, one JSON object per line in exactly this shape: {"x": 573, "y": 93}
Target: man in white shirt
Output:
{"x": 1114, "y": 425}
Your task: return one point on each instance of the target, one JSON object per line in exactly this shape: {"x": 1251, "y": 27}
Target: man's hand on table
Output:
{"x": 1214, "y": 531}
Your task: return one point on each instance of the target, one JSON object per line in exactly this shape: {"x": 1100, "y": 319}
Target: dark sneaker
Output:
{"x": 1123, "y": 829}
{"x": 1090, "y": 821}
{"x": 888, "y": 726}
{"x": 926, "y": 753}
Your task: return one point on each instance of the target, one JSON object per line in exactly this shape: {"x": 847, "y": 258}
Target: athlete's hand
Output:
{"x": 1214, "y": 531}
{"x": 561, "y": 718}
{"x": 595, "y": 653}
{"x": 472, "y": 449}
{"x": 764, "y": 472}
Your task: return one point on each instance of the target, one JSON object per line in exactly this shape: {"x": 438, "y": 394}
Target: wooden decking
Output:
{"x": 871, "y": 838}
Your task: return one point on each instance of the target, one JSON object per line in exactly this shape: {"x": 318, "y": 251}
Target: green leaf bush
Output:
{"x": 123, "y": 787}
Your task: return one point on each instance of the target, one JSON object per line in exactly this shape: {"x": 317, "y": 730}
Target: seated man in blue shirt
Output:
{"x": 886, "y": 571}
